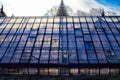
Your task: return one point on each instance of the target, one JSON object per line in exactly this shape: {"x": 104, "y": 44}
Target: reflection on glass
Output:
{"x": 50, "y": 20}
{"x": 53, "y": 71}
{"x": 104, "y": 71}
{"x": 37, "y": 20}
{"x": 69, "y": 19}
{"x": 56, "y": 19}
{"x": 18, "y": 20}
{"x": 74, "y": 71}
{"x": 43, "y": 71}
{"x": 82, "y": 19}
{"x": 76, "y": 19}
{"x": 60, "y": 41}
{"x": 44, "y": 20}
{"x": 94, "y": 71}
{"x": 84, "y": 71}
{"x": 12, "y": 20}
{"x": 31, "y": 20}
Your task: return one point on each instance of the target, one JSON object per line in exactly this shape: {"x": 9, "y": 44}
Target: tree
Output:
{"x": 62, "y": 10}
{"x": 52, "y": 11}
{"x": 96, "y": 12}
{"x": 81, "y": 13}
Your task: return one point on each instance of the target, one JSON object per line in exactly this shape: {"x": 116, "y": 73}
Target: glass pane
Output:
{"x": 82, "y": 56}
{"x": 104, "y": 71}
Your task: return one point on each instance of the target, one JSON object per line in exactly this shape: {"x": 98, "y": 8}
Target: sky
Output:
{"x": 40, "y": 7}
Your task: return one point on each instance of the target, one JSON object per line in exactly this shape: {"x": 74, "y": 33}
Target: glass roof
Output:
{"x": 60, "y": 40}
